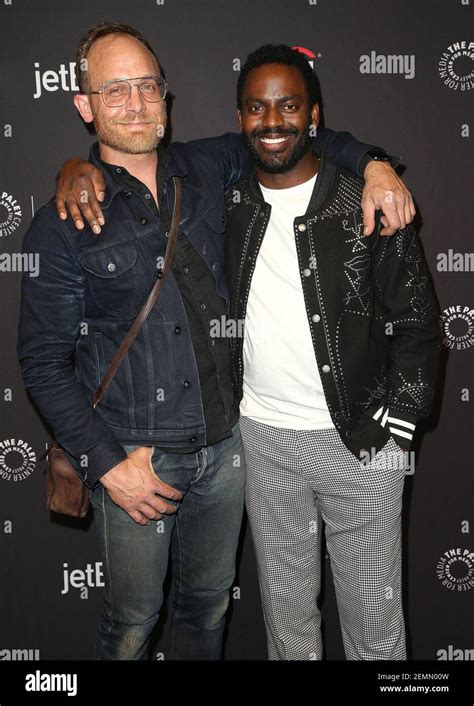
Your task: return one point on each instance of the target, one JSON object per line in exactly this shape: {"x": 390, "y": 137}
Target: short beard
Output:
{"x": 131, "y": 144}
{"x": 271, "y": 164}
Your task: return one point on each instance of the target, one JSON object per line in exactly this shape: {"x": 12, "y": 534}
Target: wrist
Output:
{"x": 107, "y": 479}
{"x": 375, "y": 169}
{"x": 104, "y": 480}
{"x": 375, "y": 155}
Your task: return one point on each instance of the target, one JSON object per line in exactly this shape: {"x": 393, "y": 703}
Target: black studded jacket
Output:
{"x": 370, "y": 304}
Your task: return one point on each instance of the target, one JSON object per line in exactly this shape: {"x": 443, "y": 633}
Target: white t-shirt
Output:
{"x": 281, "y": 386}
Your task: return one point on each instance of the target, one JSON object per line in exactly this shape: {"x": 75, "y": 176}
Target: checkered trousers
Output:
{"x": 295, "y": 481}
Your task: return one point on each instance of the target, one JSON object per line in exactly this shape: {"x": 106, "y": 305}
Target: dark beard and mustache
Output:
{"x": 272, "y": 164}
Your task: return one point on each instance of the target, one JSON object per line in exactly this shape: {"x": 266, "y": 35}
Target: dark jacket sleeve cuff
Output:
{"x": 402, "y": 427}
{"x": 365, "y": 158}
{"x": 100, "y": 460}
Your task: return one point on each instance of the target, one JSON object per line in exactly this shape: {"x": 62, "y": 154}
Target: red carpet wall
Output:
{"x": 399, "y": 74}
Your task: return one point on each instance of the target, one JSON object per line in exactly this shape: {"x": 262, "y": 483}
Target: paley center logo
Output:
{"x": 64, "y": 78}
{"x": 455, "y": 569}
{"x": 456, "y": 66}
{"x": 10, "y": 214}
{"x": 17, "y": 460}
{"x": 457, "y": 323}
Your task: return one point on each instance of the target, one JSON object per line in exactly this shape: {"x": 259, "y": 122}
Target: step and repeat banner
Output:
{"x": 395, "y": 73}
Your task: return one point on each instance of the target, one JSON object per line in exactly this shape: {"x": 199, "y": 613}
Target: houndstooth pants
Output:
{"x": 296, "y": 479}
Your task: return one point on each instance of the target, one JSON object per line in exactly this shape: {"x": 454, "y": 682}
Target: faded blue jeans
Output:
{"x": 201, "y": 539}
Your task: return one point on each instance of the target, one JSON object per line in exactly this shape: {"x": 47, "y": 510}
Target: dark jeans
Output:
{"x": 201, "y": 539}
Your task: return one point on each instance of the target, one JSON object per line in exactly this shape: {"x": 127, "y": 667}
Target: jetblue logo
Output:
{"x": 64, "y": 79}
{"x": 91, "y": 577}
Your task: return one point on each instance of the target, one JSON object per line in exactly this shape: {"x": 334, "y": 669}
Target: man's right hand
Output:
{"x": 79, "y": 188}
{"x": 134, "y": 486}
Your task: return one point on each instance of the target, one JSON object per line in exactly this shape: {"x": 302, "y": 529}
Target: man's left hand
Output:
{"x": 385, "y": 191}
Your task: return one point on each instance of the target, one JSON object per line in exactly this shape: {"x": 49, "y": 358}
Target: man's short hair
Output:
{"x": 280, "y": 54}
{"x": 97, "y": 32}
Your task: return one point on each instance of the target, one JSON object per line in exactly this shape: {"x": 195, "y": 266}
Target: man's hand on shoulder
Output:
{"x": 134, "y": 486}
{"x": 385, "y": 191}
{"x": 80, "y": 187}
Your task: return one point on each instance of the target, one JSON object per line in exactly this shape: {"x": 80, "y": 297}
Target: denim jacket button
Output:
{"x": 111, "y": 267}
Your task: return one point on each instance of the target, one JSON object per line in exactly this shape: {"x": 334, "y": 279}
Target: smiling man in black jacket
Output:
{"x": 337, "y": 362}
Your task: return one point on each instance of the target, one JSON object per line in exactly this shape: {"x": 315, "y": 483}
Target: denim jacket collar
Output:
{"x": 113, "y": 186}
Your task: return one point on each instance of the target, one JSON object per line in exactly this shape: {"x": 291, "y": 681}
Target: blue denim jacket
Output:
{"x": 77, "y": 311}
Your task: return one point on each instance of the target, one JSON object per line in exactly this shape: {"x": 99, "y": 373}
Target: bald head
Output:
{"x": 117, "y": 56}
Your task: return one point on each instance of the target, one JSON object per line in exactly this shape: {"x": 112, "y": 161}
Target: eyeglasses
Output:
{"x": 116, "y": 93}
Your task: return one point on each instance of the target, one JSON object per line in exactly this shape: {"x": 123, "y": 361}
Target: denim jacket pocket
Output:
{"x": 116, "y": 279}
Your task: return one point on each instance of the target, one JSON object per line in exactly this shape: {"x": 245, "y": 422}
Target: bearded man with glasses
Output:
{"x": 162, "y": 450}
